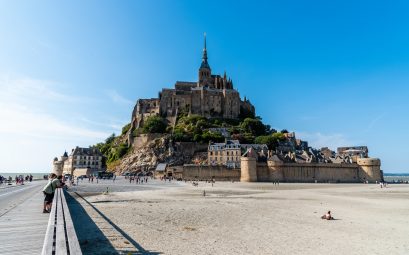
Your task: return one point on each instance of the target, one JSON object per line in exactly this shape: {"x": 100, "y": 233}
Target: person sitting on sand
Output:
{"x": 327, "y": 216}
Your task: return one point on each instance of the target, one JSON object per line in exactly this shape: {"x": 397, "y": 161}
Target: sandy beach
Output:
{"x": 253, "y": 218}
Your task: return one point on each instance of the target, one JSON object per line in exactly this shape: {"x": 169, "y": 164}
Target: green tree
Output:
{"x": 272, "y": 141}
{"x": 110, "y": 139}
{"x": 208, "y": 136}
{"x": 253, "y": 126}
{"x": 126, "y": 128}
{"x": 154, "y": 124}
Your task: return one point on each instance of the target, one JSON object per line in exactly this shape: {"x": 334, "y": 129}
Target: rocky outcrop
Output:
{"x": 158, "y": 150}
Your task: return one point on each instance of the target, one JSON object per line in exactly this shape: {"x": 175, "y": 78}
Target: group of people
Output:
{"x": 54, "y": 182}
{"x": 383, "y": 184}
{"x": 19, "y": 179}
{"x": 138, "y": 179}
{"x": 5, "y": 180}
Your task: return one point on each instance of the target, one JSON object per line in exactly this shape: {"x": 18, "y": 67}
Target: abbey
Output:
{"x": 212, "y": 96}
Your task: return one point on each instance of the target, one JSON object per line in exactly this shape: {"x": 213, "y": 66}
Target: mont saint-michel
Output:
{"x": 203, "y": 130}
{"x": 186, "y": 127}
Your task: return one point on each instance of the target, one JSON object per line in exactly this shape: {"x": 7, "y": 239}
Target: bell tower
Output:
{"x": 204, "y": 70}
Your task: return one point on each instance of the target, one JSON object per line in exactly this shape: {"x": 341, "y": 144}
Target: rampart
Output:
{"x": 218, "y": 173}
{"x": 307, "y": 172}
{"x": 365, "y": 170}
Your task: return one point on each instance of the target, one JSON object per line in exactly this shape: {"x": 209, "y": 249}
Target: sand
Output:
{"x": 259, "y": 218}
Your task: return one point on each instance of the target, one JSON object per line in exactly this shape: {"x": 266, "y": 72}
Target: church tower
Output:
{"x": 204, "y": 70}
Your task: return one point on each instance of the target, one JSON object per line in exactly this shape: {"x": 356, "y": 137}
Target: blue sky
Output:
{"x": 335, "y": 72}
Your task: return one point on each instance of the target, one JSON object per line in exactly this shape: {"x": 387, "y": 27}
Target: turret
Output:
{"x": 370, "y": 169}
{"x": 248, "y": 166}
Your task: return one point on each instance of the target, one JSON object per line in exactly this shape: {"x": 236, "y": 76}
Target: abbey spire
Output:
{"x": 204, "y": 70}
{"x": 204, "y": 58}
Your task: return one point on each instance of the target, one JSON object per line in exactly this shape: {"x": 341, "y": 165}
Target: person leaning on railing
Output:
{"x": 49, "y": 190}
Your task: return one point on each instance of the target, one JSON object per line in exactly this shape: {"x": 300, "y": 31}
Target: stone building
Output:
{"x": 229, "y": 153}
{"x": 81, "y": 161}
{"x": 211, "y": 96}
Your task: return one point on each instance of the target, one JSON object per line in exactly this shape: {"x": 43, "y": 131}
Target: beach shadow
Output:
{"x": 138, "y": 247}
{"x": 90, "y": 237}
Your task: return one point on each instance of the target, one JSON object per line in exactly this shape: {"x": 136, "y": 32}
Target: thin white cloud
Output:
{"x": 117, "y": 98}
{"x": 39, "y": 119}
{"x": 25, "y": 109}
{"x": 373, "y": 122}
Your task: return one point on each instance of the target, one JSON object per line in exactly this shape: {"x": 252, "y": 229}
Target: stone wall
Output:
{"x": 366, "y": 169}
{"x": 189, "y": 148}
{"x": 141, "y": 140}
{"x": 308, "y": 172}
{"x": 219, "y": 173}
{"x": 253, "y": 171}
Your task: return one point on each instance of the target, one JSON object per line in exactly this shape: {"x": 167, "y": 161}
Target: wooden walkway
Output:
{"x": 23, "y": 226}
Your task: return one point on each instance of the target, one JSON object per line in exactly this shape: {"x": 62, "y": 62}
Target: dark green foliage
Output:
{"x": 110, "y": 139}
{"x": 208, "y": 136}
{"x": 253, "y": 126}
{"x": 111, "y": 150}
{"x": 154, "y": 124}
{"x": 116, "y": 152}
{"x": 271, "y": 141}
{"x": 246, "y": 138}
{"x": 179, "y": 135}
{"x": 126, "y": 128}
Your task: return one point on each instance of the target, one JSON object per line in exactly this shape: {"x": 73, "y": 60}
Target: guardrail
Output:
{"x": 60, "y": 237}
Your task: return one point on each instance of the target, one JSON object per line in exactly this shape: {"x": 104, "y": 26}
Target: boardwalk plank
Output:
{"x": 22, "y": 229}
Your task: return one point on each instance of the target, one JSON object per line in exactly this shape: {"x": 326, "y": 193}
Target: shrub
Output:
{"x": 154, "y": 124}
{"x": 253, "y": 126}
{"x": 126, "y": 128}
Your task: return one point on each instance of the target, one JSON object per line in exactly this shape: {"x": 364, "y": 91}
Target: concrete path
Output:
{"x": 22, "y": 223}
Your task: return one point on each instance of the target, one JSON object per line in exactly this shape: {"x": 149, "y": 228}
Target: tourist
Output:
{"x": 49, "y": 190}
{"x": 327, "y": 216}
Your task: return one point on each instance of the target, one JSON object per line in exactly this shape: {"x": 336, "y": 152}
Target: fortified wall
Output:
{"x": 218, "y": 173}
{"x": 366, "y": 169}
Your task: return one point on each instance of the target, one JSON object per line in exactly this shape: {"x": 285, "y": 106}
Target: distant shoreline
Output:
{"x": 395, "y": 174}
